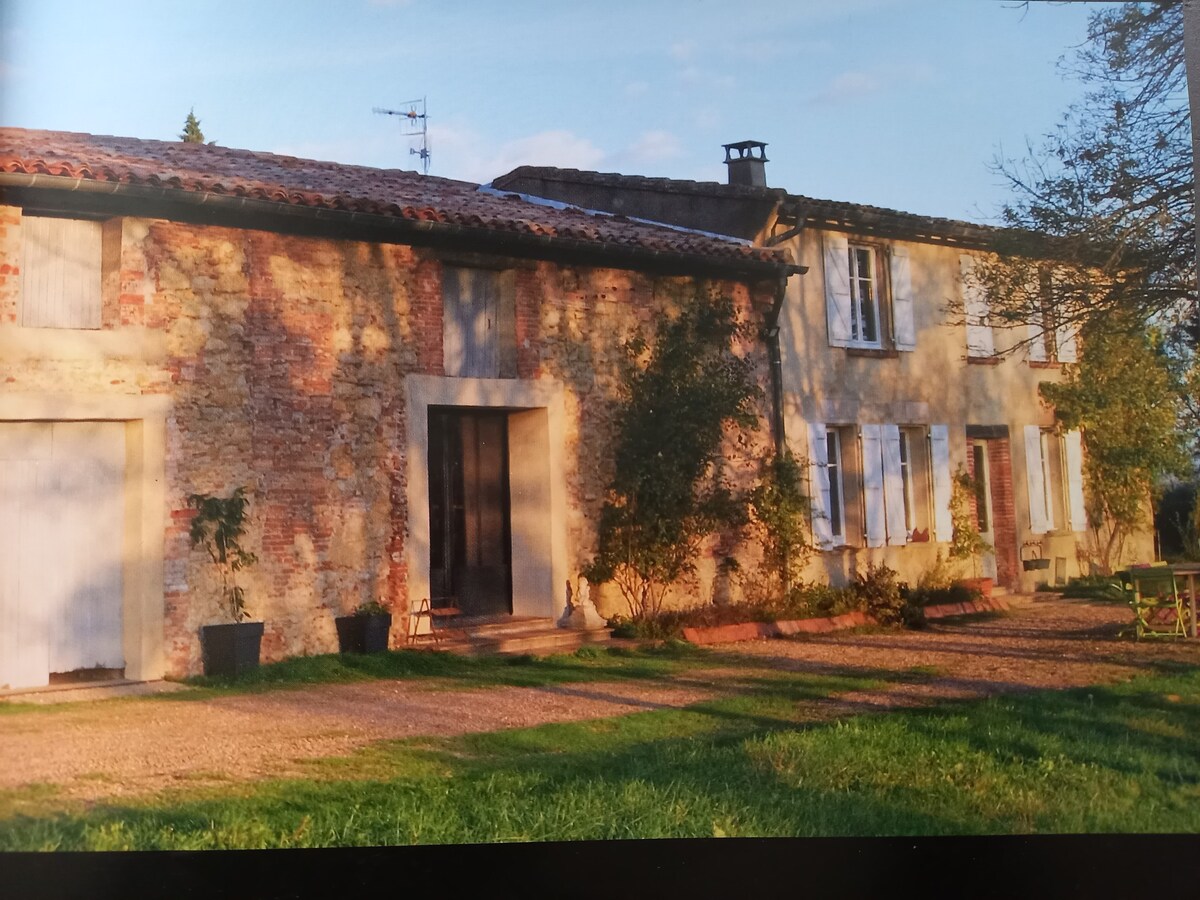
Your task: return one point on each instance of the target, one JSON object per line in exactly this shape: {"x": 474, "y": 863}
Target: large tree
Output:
{"x": 1110, "y": 196}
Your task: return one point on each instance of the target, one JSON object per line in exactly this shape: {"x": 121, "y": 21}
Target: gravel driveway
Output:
{"x": 98, "y": 751}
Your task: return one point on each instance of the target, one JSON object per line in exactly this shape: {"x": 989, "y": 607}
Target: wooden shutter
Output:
{"x": 1035, "y": 480}
{"x": 1037, "y": 340}
{"x": 872, "y": 472}
{"x": 478, "y": 324}
{"x": 975, "y": 308}
{"x": 60, "y": 273}
{"x": 893, "y": 487}
{"x": 939, "y": 455}
{"x": 1067, "y": 348}
{"x": 1073, "y": 448}
{"x": 818, "y": 475}
{"x": 903, "y": 328}
{"x": 837, "y": 289}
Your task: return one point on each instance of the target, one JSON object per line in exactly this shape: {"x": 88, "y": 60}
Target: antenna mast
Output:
{"x": 418, "y": 127}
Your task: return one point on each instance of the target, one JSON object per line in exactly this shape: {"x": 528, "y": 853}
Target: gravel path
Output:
{"x": 99, "y": 751}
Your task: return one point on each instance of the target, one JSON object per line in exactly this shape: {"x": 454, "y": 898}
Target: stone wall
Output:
{"x": 284, "y": 359}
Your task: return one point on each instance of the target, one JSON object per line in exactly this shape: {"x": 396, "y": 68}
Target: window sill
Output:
{"x": 983, "y": 360}
{"x": 1044, "y": 364}
{"x": 873, "y": 352}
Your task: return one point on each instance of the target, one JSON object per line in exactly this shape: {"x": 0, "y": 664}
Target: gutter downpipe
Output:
{"x": 775, "y": 360}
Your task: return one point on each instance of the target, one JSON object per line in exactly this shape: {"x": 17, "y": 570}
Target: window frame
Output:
{"x": 876, "y": 284}
{"x": 835, "y": 470}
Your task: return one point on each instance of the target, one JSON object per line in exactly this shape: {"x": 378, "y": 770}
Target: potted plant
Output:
{"x": 218, "y": 526}
{"x": 365, "y": 630}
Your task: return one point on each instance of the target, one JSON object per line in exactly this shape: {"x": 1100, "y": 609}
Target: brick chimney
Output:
{"x": 747, "y": 163}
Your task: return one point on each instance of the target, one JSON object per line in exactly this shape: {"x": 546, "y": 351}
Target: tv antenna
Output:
{"x": 417, "y": 123}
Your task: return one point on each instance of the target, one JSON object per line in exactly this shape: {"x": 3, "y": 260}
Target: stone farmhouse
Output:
{"x": 411, "y": 377}
{"x": 887, "y": 391}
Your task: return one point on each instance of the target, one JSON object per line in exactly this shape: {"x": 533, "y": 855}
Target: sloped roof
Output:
{"x": 812, "y": 211}
{"x": 391, "y": 193}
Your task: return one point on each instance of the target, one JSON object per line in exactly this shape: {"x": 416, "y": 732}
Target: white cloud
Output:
{"x": 682, "y": 51}
{"x": 464, "y": 154}
{"x": 856, "y": 84}
{"x": 654, "y": 146}
{"x": 847, "y": 86}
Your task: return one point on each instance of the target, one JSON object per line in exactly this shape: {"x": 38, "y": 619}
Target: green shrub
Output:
{"x": 879, "y": 594}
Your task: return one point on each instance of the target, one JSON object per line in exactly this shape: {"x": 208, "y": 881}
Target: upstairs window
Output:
{"x": 479, "y": 337}
{"x": 864, "y": 308}
{"x": 1050, "y": 340}
{"x": 60, "y": 273}
{"x": 864, "y": 305}
{"x": 976, "y": 310}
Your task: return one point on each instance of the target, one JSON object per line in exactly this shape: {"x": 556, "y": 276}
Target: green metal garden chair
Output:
{"x": 1158, "y": 606}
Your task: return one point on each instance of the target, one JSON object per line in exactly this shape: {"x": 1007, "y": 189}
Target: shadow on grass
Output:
{"x": 1108, "y": 759}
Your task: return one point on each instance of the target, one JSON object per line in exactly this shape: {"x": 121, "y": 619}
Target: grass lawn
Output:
{"x": 1123, "y": 758}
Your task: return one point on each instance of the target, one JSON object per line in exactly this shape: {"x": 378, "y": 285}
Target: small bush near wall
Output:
{"x": 875, "y": 592}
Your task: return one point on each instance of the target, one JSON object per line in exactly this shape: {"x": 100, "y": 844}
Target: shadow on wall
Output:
{"x": 292, "y": 353}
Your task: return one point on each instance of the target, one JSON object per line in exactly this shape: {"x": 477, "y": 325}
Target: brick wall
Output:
{"x": 285, "y": 360}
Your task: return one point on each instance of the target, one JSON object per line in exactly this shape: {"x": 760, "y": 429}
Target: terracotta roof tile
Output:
{"x": 813, "y": 210}
{"x": 203, "y": 168}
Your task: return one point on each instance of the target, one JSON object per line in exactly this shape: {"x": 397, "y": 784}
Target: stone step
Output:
{"x": 538, "y": 641}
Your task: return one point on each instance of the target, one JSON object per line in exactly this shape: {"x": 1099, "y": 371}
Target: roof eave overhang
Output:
{"x": 65, "y": 194}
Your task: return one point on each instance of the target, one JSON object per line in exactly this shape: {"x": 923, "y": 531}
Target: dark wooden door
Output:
{"x": 470, "y": 546}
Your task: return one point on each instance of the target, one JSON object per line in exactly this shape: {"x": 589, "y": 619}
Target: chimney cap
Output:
{"x": 745, "y": 150}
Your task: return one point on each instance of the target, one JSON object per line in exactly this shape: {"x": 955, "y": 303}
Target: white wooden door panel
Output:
{"x": 62, "y": 517}
{"x": 24, "y": 658}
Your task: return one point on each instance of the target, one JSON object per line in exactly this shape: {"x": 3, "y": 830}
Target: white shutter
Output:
{"x": 818, "y": 474}
{"x": 893, "y": 487}
{"x": 60, "y": 273}
{"x": 939, "y": 454}
{"x": 1037, "y": 340}
{"x": 837, "y": 289}
{"x": 1034, "y": 477}
{"x": 1065, "y": 336}
{"x": 903, "y": 327}
{"x": 872, "y": 464}
{"x": 975, "y": 307}
{"x": 1074, "y": 452}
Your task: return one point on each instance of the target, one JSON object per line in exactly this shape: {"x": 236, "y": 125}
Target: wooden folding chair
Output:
{"x": 447, "y": 612}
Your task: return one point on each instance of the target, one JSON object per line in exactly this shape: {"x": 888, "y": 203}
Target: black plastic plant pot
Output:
{"x": 363, "y": 634}
{"x": 231, "y": 649}
{"x": 1031, "y": 564}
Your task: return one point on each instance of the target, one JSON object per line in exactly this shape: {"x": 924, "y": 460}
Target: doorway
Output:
{"x": 470, "y": 522}
{"x": 985, "y": 516}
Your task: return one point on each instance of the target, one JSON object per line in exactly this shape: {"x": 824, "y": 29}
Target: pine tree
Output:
{"x": 191, "y": 129}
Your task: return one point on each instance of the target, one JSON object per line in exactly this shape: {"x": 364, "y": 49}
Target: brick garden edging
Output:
{"x": 750, "y": 631}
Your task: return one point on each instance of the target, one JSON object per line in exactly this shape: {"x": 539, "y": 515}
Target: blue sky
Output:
{"x": 898, "y": 103}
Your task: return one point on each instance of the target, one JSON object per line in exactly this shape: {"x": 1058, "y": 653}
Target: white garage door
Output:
{"x": 61, "y": 533}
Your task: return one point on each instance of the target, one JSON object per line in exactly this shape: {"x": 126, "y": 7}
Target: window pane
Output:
{"x": 981, "y": 488}
{"x": 835, "y": 483}
{"x": 906, "y": 479}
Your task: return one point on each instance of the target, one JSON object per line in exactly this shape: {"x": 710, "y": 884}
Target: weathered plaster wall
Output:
{"x": 934, "y": 384}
